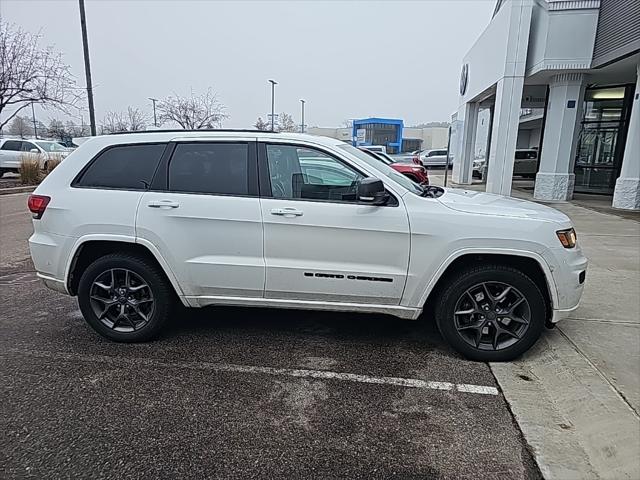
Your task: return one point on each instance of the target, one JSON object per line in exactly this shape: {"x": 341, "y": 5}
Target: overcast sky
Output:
{"x": 347, "y": 59}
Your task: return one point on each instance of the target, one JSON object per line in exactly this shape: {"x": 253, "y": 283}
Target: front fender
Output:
{"x": 427, "y": 283}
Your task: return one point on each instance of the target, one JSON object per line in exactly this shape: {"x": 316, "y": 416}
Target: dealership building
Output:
{"x": 389, "y": 132}
{"x": 561, "y": 76}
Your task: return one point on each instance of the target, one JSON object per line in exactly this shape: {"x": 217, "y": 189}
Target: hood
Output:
{"x": 482, "y": 203}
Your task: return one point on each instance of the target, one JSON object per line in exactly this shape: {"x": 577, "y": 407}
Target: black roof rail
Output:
{"x": 180, "y": 130}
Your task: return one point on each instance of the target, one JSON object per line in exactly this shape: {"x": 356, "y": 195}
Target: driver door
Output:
{"x": 320, "y": 244}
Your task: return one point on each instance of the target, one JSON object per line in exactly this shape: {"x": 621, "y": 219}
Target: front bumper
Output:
{"x": 569, "y": 276}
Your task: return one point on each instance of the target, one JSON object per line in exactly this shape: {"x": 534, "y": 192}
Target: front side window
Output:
{"x": 213, "y": 168}
{"x": 385, "y": 169}
{"x": 128, "y": 167}
{"x": 12, "y": 145}
{"x": 305, "y": 173}
{"x": 28, "y": 146}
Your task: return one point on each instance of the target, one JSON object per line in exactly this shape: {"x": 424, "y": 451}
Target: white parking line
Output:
{"x": 290, "y": 372}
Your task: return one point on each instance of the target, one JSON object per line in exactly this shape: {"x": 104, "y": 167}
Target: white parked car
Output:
{"x": 12, "y": 150}
{"x": 435, "y": 158}
{"x": 133, "y": 223}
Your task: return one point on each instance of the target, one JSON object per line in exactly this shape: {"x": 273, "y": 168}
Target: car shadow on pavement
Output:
{"x": 336, "y": 327}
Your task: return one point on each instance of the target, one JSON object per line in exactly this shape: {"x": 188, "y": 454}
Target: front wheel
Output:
{"x": 125, "y": 298}
{"x": 491, "y": 313}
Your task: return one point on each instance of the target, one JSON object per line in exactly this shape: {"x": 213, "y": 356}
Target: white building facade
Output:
{"x": 561, "y": 76}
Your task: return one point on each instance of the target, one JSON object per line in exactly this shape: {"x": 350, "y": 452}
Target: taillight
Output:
{"x": 38, "y": 204}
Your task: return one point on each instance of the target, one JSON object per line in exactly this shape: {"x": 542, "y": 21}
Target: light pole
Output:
{"x": 302, "y": 102}
{"x": 155, "y": 120}
{"x": 273, "y": 84}
{"x": 87, "y": 68}
{"x": 33, "y": 115}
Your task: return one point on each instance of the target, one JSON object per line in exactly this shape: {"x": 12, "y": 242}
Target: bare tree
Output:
{"x": 193, "y": 112}
{"x": 132, "y": 121}
{"x": 113, "y": 122}
{"x": 137, "y": 119}
{"x": 261, "y": 125}
{"x": 21, "y": 127}
{"x": 31, "y": 74}
{"x": 76, "y": 130}
{"x": 56, "y": 129}
{"x": 286, "y": 123}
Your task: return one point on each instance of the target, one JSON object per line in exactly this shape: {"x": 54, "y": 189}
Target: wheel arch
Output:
{"x": 89, "y": 250}
{"x": 531, "y": 264}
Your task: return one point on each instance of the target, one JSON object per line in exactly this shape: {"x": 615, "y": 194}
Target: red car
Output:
{"x": 415, "y": 172}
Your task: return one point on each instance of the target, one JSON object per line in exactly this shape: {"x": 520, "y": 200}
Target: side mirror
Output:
{"x": 34, "y": 150}
{"x": 371, "y": 190}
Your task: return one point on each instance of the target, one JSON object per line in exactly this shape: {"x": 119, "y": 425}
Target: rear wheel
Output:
{"x": 491, "y": 313}
{"x": 125, "y": 298}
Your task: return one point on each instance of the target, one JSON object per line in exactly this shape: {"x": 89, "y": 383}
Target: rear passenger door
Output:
{"x": 112, "y": 183}
{"x": 203, "y": 215}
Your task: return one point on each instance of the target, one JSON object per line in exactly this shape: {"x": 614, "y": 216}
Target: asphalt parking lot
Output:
{"x": 238, "y": 393}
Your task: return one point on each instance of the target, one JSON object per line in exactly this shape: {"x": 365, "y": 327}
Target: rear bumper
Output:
{"x": 53, "y": 283}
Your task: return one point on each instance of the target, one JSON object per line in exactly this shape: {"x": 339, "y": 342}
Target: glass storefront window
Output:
{"x": 601, "y": 142}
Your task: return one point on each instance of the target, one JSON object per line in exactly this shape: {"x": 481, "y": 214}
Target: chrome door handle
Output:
{"x": 163, "y": 204}
{"x": 286, "y": 212}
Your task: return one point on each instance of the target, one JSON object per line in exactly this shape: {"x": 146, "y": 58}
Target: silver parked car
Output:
{"x": 525, "y": 164}
{"x": 435, "y": 158}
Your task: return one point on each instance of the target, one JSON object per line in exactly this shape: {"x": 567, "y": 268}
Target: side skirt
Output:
{"x": 395, "y": 310}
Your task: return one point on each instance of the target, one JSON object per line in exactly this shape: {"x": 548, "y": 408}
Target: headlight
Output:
{"x": 567, "y": 237}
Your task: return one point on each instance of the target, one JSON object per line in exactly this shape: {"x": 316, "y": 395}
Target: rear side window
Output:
{"x": 214, "y": 168}
{"x": 127, "y": 167}
{"x": 12, "y": 145}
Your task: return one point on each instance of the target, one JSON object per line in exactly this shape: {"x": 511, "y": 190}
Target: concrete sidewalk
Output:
{"x": 576, "y": 394}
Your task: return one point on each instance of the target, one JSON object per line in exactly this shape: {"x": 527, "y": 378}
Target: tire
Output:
{"x": 143, "y": 320}
{"x": 461, "y": 329}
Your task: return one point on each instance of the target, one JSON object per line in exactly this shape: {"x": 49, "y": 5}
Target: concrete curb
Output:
{"x": 576, "y": 424}
{"x": 26, "y": 188}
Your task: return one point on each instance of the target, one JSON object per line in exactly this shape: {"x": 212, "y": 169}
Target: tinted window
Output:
{"x": 126, "y": 167}
{"x": 437, "y": 153}
{"x": 14, "y": 145}
{"x": 215, "y": 168}
{"x": 526, "y": 154}
{"x": 28, "y": 146}
{"x": 300, "y": 172}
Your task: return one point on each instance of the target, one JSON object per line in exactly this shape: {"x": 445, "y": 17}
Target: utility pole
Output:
{"x": 273, "y": 112}
{"x": 302, "y": 124}
{"x": 35, "y": 126}
{"x": 155, "y": 120}
{"x": 87, "y": 68}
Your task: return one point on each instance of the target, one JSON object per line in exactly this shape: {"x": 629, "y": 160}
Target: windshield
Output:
{"x": 51, "y": 147}
{"x": 388, "y": 171}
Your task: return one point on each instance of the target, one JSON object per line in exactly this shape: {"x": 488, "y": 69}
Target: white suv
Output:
{"x": 131, "y": 222}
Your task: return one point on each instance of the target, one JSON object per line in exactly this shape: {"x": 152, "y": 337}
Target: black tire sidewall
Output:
{"x": 154, "y": 278}
{"x": 465, "y": 280}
